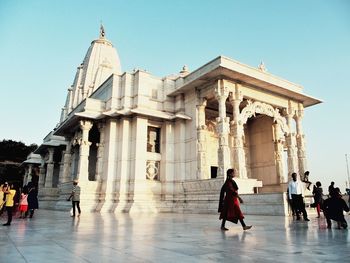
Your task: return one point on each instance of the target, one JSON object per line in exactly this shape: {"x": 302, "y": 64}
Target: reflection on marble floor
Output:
{"x": 53, "y": 236}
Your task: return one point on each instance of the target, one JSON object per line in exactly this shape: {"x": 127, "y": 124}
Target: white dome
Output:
{"x": 101, "y": 60}
{"x": 101, "y": 53}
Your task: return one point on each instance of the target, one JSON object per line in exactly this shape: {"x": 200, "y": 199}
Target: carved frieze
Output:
{"x": 262, "y": 108}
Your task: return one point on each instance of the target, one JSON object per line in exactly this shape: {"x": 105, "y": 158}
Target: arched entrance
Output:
{"x": 264, "y": 142}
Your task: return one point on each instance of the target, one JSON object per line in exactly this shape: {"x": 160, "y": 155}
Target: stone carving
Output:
{"x": 262, "y": 108}
{"x": 77, "y": 139}
{"x": 152, "y": 170}
{"x": 211, "y": 126}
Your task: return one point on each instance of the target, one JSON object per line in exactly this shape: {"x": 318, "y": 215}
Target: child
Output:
{"x": 23, "y": 205}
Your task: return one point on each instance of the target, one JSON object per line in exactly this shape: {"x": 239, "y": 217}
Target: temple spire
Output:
{"x": 102, "y": 31}
{"x": 262, "y": 66}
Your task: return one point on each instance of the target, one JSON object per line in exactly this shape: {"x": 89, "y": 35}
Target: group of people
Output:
{"x": 26, "y": 203}
{"x": 25, "y": 200}
{"x": 229, "y": 203}
{"x": 333, "y": 207}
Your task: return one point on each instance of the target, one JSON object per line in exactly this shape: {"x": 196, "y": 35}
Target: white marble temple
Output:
{"x": 138, "y": 142}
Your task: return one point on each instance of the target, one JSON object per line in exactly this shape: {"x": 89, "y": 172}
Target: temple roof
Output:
{"x": 223, "y": 67}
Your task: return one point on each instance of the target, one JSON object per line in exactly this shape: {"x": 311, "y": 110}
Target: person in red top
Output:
{"x": 229, "y": 208}
{"x": 23, "y": 204}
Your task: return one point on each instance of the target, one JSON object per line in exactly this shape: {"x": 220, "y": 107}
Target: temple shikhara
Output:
{"x": 138, "y": 142}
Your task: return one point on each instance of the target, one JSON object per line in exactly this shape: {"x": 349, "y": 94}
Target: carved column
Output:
{"x": 25, "y": 176}
{"x": 300, "y": 138}
{"x": 67, "y": 159}
{"x": 83, "y": 165}
{"x": 100, "y": 151}
{"x": 63, "y": 114}
{"x": 202, "y": 168}
{"x": 61, "y": 171}
{"x": 237, "y": 132}
{"x": 291, "y": 144}
{"x": 80, "y": 94}
{"x": 42, "y": 172}
{"x": 221, "y": 94}
{"x": 278, "y": 147}
{"x": 70, "y": 100}
{"x": 28, "y": 174}
{"x": 50, "y": 168}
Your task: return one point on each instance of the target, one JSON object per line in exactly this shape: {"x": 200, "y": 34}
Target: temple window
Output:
{"x": 153, "y": 139}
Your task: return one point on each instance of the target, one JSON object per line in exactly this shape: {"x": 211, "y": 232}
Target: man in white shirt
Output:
{"x": 295, "y": 192}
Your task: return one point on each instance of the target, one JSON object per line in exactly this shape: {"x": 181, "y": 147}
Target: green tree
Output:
{"x": 12, "y": 154}
{"x": 15, "y": 151}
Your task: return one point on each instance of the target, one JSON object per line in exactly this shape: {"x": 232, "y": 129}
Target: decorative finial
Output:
{"x": 184, "y": 70}
{"x": 102, "y": 31}
{"x": 262, "y": 66}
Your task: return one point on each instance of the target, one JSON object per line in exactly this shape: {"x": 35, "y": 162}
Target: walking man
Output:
{"x": 75, "y": 196}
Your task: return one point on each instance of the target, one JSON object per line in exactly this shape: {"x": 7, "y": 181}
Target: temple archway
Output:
{"x": 264, "y": 135}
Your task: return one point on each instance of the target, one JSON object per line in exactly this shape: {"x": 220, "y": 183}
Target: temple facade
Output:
{"x": 138, "y": 142}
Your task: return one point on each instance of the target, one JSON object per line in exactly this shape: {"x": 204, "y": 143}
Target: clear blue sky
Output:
{"x": 305, "y": 42}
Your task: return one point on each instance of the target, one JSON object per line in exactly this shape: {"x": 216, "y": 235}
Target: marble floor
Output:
{"x": 53, "y": 236}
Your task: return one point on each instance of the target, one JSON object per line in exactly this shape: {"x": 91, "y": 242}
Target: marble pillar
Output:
{"x": 180, "y": 150}
{"x": 122, "y": 164}
{"x": 42, "y": 172}
{"x": 67, "y": 162}
{"x": 237, "y": 133}
{"x": 28, "y": 174}
{"x": 202, "y": 166}
{"x": 300, "y": 138}
{"x": 100, "y": 152}
{"x": 70, "y": 100}
{"x": 109, "y": 185}
{"x": 167, "y": 160}
{"x": 49, "y": 169}
{"x": 278, "y": 150}
{"x": 291, "y": 145}
{"x": 83, "y": 165}
{"x": 221, "y": 94}
{"x": 60, "y": 174}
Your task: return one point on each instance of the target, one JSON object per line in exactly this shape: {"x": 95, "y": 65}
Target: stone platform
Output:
{"x": 53, "y": 236}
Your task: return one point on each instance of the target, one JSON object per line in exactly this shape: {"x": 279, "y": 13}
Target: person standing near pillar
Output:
{"x": 75, "y": 196}
{"x": 229, "y": 203}
{"x": 32, "y": 199}
{"x": 295, "y": 191}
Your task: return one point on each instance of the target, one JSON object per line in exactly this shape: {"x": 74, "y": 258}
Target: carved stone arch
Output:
{"x": 262, "y": 108}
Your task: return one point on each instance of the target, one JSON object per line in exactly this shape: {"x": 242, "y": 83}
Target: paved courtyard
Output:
{"x": 53, "y": 236}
